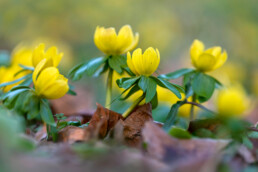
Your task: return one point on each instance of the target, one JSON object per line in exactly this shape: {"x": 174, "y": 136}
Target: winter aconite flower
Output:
{"x": 49, "y": 83}
{"x": 22, "y": 55}
{"x": 111, "y": 43}
{"x": 52, "y": 56}
{"x": 232, "y": 101}
{"x": 143, "y": 64}
{"x": 167, "y": 98}
{"x": 207, "y": 60}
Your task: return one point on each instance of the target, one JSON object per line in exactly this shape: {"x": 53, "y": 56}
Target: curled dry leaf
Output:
{"x": 134, "y": 124}
{"x": 71, "y": 134}
{"x": 102, "y": 122}
{"x": 183, "y": 155}
{"x": 41, "y": 134}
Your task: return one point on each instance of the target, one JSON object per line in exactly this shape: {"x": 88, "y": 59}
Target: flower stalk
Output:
{"x": 131, "y": 108}
{"x": 109, "y": 89}
{"x": 192, "y": 108}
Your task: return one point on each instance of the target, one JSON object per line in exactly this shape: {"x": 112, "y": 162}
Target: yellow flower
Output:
{"x": 2, "y": 73}
{"x": 112, "y": 44}
{"x": 143, "y": 64}
{"x": 22, "y": 55}
{"x": 207, "y": 60}
{"x": 9, "y": 74}
{"x": 49, "y": 83}
{"x": 232, "y": 101}
{"x": 52, "y": 56}
{"x": 167, "y": 98}
{"x": 133, "y": 97}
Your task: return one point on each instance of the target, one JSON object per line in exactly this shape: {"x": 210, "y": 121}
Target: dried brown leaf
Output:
{"x": 182, "y": 154}
{"x": 134, "y": 123}
{"x": 71, "y": 134}
{"x": 102, "y": 122}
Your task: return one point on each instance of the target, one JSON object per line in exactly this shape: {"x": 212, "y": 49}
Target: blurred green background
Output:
{"x": 169, "y": 25}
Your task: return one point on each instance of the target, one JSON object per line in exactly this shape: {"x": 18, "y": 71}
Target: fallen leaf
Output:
{"x": 41, "y": 134}
{"x": 134, "y": 123}
{"x": 102, "y": 122}
{"x": 71, "y": 134}
{"x": 183, "y": 155}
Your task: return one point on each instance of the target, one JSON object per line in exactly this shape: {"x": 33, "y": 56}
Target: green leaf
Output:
{"x": 27, "y": 81}
{"x": 89, "y": 68}
{"x": 179, "y": 133}
{"x": 182, "y": 122}
{"x": 71, "y": 90}
{"x": 128, "y": 71}
{"x": 203, "y": 133}
{"x": 218, "y": 84}
{"x": 253, "y": 134}
{"x": 101, "y": 70}
{"x": 27, "y": 67}
{"x": 52, "y": 132}
{"x": 133, "y": 90}
{"x": 203, "y": 85}
{"x": 171, "y": 117}
{"x": 154, "y": 101}
{"x": 150, "y": 90}
{"x": 188, "y": 90}
{"x": 46, "y": 114}
{"x": 13, "y": 92}
{"x": 127, "y": 82}
{"x": 176, "y": 74}
{"x": 117, "y": 63}
{"x": 15, "y": 81}
{"x": 142, "y": 83}
{"x": 74, "y": 123}
{"x": 187, "y": 79}
{"x": 179, "y": 88}
{"x": 10, "y": 97}
{"x": 148, "y": 86}
{"x": 34, "y": 108}
{"x": 247, "y": 142}
{"x": 163, "y": 83}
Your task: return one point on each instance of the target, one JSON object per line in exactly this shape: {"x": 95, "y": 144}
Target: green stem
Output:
{"x": 131, "y": 108}
{"x": 109, "y": 89}
{"x": 192, "y": 108}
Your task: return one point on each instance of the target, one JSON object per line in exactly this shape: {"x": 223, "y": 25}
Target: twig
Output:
{"x": 200, "y": 106}
{"x": 252, "y": 129}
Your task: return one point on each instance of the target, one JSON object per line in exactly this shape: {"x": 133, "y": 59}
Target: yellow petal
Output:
{"x": 205, "y": 62}
{"x": 108, "y": 40}
{"x": 97, "y": 40}
{"x": 215, "y": 51}
{"x": 150, "y": 59}
{"x": 112, "y": 44}
{"x": 38, "y": 54}
{"x": 38, "y": 69}
{"x": 134, "y": 43}
{"x": 232, "y": 101}
{"x": 130, "y": 64}
{"x": 57, "y": 59}
{"x": 57, "y": 89}
{"x": 221, "y": 60}
{"x": 196, "y": 50}
{"x": 124, "y": 39}
{"x": 46, "y": 78}
{"x": 53, "y": 57}
{"x": 137, "y": 60}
